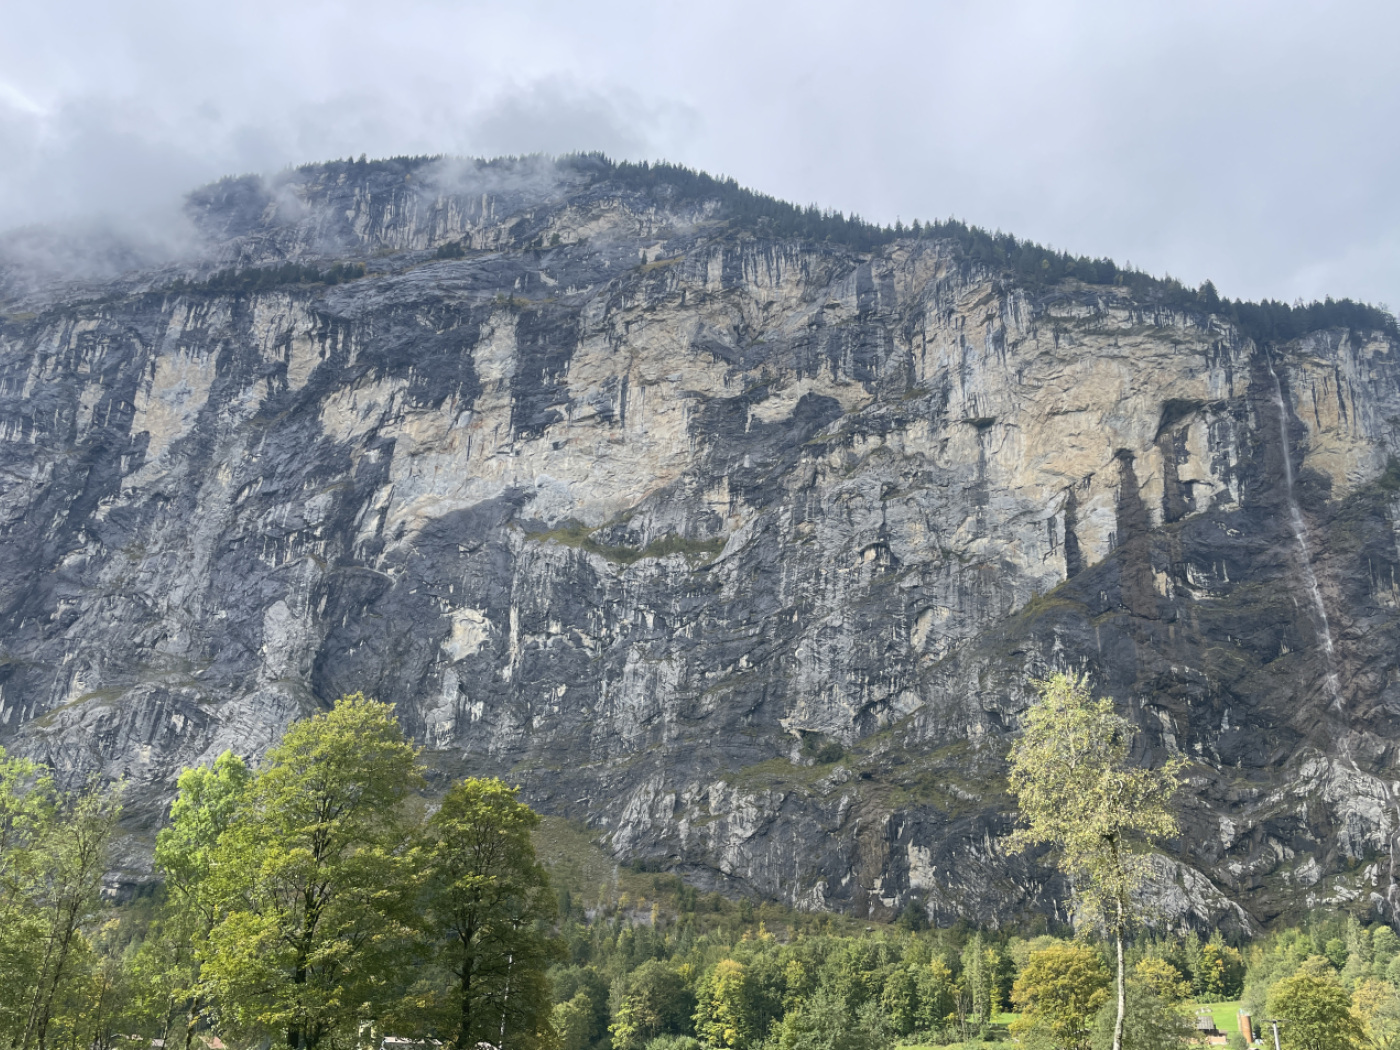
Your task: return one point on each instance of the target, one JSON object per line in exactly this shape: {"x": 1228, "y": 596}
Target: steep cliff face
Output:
{"x": 738, "y": 548}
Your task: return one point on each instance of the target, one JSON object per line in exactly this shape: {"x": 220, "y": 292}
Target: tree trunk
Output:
{"x": 65, "y": 944}
{"x": 191, "y": 1021}
{"x": 464, "y": 990}
{"x": 1122, "y": 983}
{"x": 303, "y": 1034}
{"x": 464, "y": 1008}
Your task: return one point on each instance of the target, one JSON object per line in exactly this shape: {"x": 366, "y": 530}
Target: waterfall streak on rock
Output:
{"x": 1334, "y": 689}
{"x": 1300, "y": 535}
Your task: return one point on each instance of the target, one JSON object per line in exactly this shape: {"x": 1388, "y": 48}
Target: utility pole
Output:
{"x": 1275, "y": 1022}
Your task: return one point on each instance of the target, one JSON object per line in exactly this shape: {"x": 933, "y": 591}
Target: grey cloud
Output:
{"x": 1250, "y": 142}
{"x": 554, "y": 116}
{"x": 126, "y": 160}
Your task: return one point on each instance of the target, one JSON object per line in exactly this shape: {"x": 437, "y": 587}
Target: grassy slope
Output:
{"x": 1224, "y": 1014}
{"x": 577, "y": 862}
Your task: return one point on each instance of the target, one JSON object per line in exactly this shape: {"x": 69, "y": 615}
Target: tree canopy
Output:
{"x": 488, "y": 913}
{"x": 1315, "y": 1013}
{"x": 311, "y": 876}
{"x": 317, "y": 896}
{"x": 1058, "y": 991}
{"x": 53, "y": 855}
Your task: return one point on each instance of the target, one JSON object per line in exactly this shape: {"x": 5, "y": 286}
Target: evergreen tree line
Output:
{"x": 999, "y": 254}
{"x": 663, "y": 986}
{"x": 1031, "y": 264}
{"x": 638, "y": 982}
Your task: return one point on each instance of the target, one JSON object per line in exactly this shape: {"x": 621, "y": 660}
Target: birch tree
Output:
{"x": 1079, "y": 794}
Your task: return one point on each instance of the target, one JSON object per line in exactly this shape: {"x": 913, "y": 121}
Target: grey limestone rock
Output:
{"x": 738, "y": 548}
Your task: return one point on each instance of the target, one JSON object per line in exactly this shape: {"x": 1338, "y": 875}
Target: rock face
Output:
{"x": 739, "y": 548}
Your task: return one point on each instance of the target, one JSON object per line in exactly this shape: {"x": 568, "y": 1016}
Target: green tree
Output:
{"x": 1221, "y": 971}
{"x": 900, "y": 1000}
{"x": 1078, "y": 793}
{"x": 823, "y": 1022}
{"x": 854, "y": 971}
{"x": 1384, "y": 948}
{"x": 489, "y": 909}
{"x": 1376, "y": 1004}
{"x": 653, "y": 1000}
{"x": 978, "y": 977}
{"x": 1316, "y": 1014}
{"x": 1359, "y": 954}
{"x": 105, "y": 1009}
{"x": 1336, "y": 951}
{"x": 206, "y": 803}
{"x": 65, "y": 883}
{"x": 936, "y": 995}
{"x": 674, "y": 1042}
{"x": 314, "y": 881}
{"x": 1163, "y": 979}
{"x": 1151, "y": 1022}
{"x": 28, "y": 803}
{"x": 571, "y": 981}
{"x": 572, "y": 1021}
{"x": 1225, "y": 966}
{"x": 1058, "y": 992}
{"x": 724, "y": 1011}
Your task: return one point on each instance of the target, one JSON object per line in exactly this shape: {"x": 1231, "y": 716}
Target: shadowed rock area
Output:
{"x": 735, "y": 545}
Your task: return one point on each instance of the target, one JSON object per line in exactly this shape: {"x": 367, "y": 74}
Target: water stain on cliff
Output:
{"x": 1133, "y": 551}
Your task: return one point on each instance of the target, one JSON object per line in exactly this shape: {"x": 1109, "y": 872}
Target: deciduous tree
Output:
{"x": 654, "y": 1000}
{"x": 724, "y": 1012}
{"x": 1058, "y": 992}
{"x": 315, "y": 881}
{"x": 488, "y": 910}
{"x": 1376, "y": 1004}
{"x": 205, "y": 806}
{"x": 1163, "y": 979}
{"x": 1151, "y": 1022}
{"x": 1078, "y": 792}
{"x": 68, "y": 856}
{"x": 1316, "y": 1014}
{"x": 27, "y": 806}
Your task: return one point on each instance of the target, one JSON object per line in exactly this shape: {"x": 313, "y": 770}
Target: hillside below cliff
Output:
{"x": 731, "y": 530}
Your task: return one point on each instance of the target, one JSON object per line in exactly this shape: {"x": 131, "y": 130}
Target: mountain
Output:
{"x": 731, "y": 529}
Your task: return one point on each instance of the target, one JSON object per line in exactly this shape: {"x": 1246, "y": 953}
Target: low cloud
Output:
{"x": 1249, "y": 143}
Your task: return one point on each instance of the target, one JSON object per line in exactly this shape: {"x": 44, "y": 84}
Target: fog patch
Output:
{"x": 558, "y": 116}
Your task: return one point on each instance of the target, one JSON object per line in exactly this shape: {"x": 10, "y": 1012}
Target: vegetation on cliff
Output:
{"x": 262, "y": 278}
{"x": 743, "y": 210}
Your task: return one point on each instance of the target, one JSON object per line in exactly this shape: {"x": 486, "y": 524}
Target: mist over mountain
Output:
{"x": 731, "y": 528}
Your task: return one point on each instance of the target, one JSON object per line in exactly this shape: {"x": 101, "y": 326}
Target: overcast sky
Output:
{"x": 1252, "y": 143}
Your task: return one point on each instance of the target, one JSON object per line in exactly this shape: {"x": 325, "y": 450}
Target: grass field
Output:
{"x": 1224, "y": 1014}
